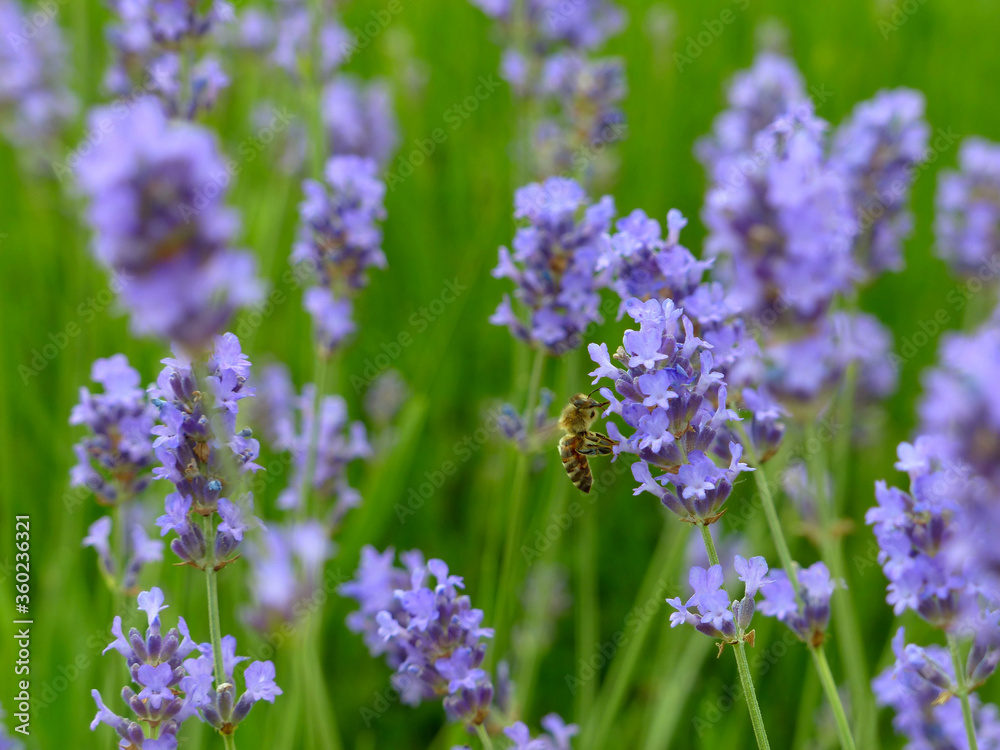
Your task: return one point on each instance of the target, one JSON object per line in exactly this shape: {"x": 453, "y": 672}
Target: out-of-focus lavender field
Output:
{"x": 165, "y": 179}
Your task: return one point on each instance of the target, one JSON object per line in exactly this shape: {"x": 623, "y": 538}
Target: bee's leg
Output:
{"x": 596, "y": 444}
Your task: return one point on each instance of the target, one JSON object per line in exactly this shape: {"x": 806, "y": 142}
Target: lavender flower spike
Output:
{"x": 35, "y": 103}
{"x": 554, "y": 264}
{"x": 149, "y": 39}
{"x": 176, "y": 681}
{"x": 807, "y": 618}
{"x": 201, "y": 452}
{"x": 115, "y": 460}
{"x": 433, "y": 639}
{"x": 876, "y": 149}
{"x": 675, "y": 402}
{"x": 417, "y": 625}
{"x": 967, "y": 216}
{"x": 339, "y": 239}
{"x": 714, "y": 615}
{"x": 156, "y": 205}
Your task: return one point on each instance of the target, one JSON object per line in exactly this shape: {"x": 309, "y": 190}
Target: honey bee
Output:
{"x": 579, "y": 442}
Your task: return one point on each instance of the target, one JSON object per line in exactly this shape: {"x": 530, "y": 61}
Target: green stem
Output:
{"x": 679, "y": 675}
{"x": 524, "y": 166}
{"x": 742, "y": 666}
{"x": 286, "y": 735}
{"x": 663, "y": 562}
{"x": 805, "y": 726}
{"x": 586, "y": 609}
{"x": 519, "y": 493}
{"x": 214, "y": 624}
{"x": 706, "y": 537}
{"x": 830, "y": 688}
{"x": 755, "y": 716}
{"x": 319, "y": 372}
{"x": 767, "y": 501}
{"x": 845, "y": 618}
{"x": 321, "y": 719}
{"x": 774, "y": 524}
{"x": 314, "y": 92}
{"x": 963, "y": 692}
{"x": 484, "y": 737}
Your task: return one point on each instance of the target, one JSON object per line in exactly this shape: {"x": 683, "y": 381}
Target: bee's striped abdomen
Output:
{"x": 575, "y": 464}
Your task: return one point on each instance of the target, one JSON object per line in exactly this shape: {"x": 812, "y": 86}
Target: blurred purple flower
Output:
{"x": 115, "y": 459}
{"x": 967, "y": 216}
{"x": 876, "y": 150}
{"x": 35, "y": 102}
{"x": 156, "y": 192}
{"x": 554, "y": 264}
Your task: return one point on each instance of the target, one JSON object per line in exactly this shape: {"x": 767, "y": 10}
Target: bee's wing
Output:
{"x": 596, "y": 444}
{"x": 545, "y": 435}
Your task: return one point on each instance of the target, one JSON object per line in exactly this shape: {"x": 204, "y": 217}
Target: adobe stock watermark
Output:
{"x": 713, "y": 711}
{"x": 462, "y": 451}
{"x": 33, "y": 23}
{"x": 419, "y": 321}
{"x": 587, "y": 668}
{"x": 713, "y": 29}
{"x": 249, "y": 149}
{"x": 901, "y": 12}
{"x": 454, "y": 117}
{"x": 86, "y": 312}
{"x": 362, "y": 36}
{"x": 559, "y": 523}
{"x": 957, "y": 298}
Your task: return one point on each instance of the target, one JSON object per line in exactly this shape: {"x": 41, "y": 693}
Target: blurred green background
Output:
{"x": 445, "y": 222}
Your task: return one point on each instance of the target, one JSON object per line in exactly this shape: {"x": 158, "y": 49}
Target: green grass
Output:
{"x": 445, "y": 222}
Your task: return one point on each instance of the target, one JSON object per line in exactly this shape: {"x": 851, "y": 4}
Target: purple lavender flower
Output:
{"x": 582, "y": 97}
{"x": 339, "y": 442}
{"x": 359, "y": 119}
{"x": 155, "y": 665}
{"x": 675, "y": 402}
{"x": 914, "y": 531}
{"x": 35, "y": 103}
{"x": 558, "y": 737}
{"x": 967, "y": 216}
{"x": 645, "y": 265}
{"x": 147, "y": 39}
{"x": 139, "y": 550}
{"x": 875, "y": 150}
{"x": 286, "y": 572}
{"x": 340, "y": 239}
{"x": 918, "y": 688}
{"x": 771, "y": 87}
{"x": 416, "y": 625}
{"x": 432, "y": 637}
{"x": 173, "y": 687}
{"x": 200, "y": 450}
{"x": 273, "y": 408}
{"x": 813, "y": 359}
{"x": 6, "y": 741}
{"x": 294, "y": 37}
{"x": 960, "y": 399}
{"x": 115, "y": 459}
{"x": 554, "y": 264}
{"x": 714, "y": 614}
{"x": 156, "y": 193}
{"x": 578, "y": 97}
{"x": 253, "y": 31}
{"x": 781, "y": 224}
{"x": 781, "y": 227}
{"x": 580, "y": 25}
{"x": 809, "y": 614}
